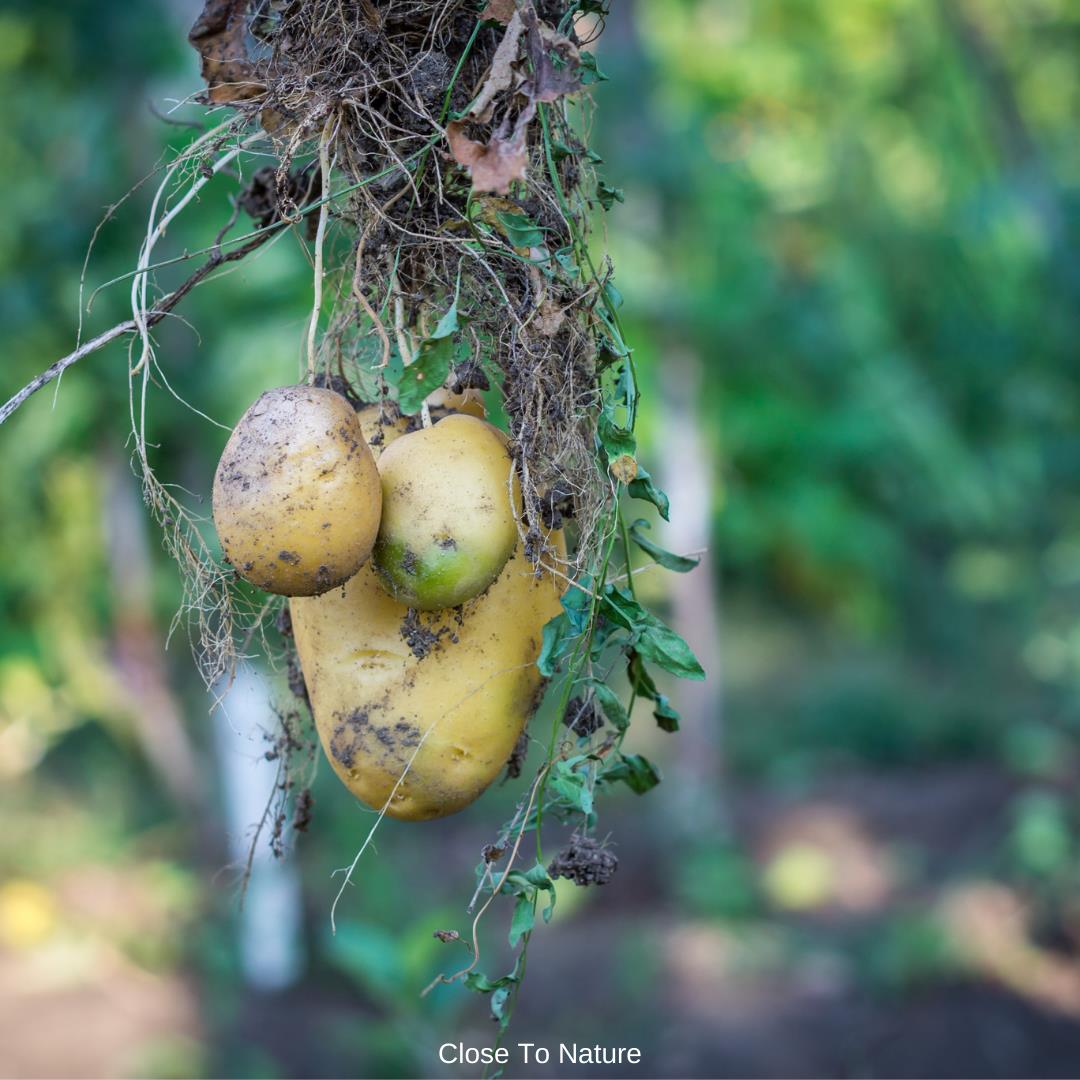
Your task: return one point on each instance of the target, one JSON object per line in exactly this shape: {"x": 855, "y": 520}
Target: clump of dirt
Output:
{"x": 582, "y": 717}
{"x": 422, "y": 638}
{"x": 516, "y": 761}
{"x": 469, "y": 376}
{"x": 302, "y": 812}
{"x": 262, "y": 199}
{"x": 584, "y": 861}
{"x": 294, "y": 673}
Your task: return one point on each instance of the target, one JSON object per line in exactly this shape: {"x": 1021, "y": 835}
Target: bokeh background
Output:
{"x": 848, "y": 252}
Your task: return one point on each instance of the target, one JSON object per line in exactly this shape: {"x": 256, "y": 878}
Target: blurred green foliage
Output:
{"x": 861, "y": 219}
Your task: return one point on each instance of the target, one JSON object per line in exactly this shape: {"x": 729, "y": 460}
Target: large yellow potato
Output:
{"x": 297, "y": 498}
{"x": 448, "y": 525}
{"x": 442, "y": 709}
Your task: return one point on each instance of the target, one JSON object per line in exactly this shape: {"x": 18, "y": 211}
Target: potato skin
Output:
{"x": 460, "y": 708}
{"x": 448, "y": 523}
{"x": 297, "y": 498}
{"x": 380, "y": 428}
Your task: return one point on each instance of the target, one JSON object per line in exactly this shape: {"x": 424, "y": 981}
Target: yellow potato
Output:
{"x": 440, "y": 711}
{"x": 297, "y": 498}
{"x": 380, "y": 427}
{"x": 448, "y": 526}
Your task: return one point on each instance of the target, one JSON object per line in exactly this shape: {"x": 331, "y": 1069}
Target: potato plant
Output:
{"x": 435, "y": 159}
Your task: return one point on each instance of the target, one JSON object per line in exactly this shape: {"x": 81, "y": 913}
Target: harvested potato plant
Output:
{"x": 432, "y": 163}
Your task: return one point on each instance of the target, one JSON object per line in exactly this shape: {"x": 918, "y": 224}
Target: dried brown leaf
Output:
{"x": 218, "y": 36}
{"x": 624, "y": 468}
{"x": 495, "y": 166}
{"x": 550, "y": 80}
{"x": 502, "y": 75}
{"x": 549, "y": 318}
{"x": 499, "y": 10}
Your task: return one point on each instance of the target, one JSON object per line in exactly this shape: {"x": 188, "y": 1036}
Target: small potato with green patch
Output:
{"x": 448, "y": 521}
{"x": 297, "y": 498}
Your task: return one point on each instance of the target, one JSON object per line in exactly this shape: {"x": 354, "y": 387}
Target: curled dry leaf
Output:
{"x": 552, "y": 75}
{"x": 503, "y": 76}
{"x": 218, "y": 36}
{"x": 624, "y": 468}
{"x": 493, "y": 167}
{"x": 554, "y": 69}
{"x": 499, "y": 11}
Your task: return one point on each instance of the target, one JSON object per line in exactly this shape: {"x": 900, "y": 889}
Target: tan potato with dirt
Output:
{"x": 448, "y": 521}
{"x": 297, "y": 498}
{"x": 420, "y": 712}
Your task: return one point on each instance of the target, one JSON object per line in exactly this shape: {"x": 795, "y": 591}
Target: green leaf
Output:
{"x": 523, "y": 919}
{"x": 577, "y": 602}
{"x": 590, "y": 73}
{"x": 615, "y": 440}
{"x": 498, "y": 1005}
{"x": 643, "y": 488}
{"x": 539, "y": 877}
{"x": 653, "y": 639}
{"x": 608, "y": 196}
{"x": 555, "y": 641}
{"x": 572, "y": 788}
{"x": 637, "y": 772}
{"x": 679, "y": 563}
{"x": 611, "y": 705}
{"x": 614, "y": 297}
{"x": 666, "y": 716}
{"x": 431, "y": 365}
{"x": 559, "y": 150}
{"x": 567, "y": 260}
{"x": 478, "y": 981}
{"x": 641, "y": 682}
{"x": 521, "y": 230}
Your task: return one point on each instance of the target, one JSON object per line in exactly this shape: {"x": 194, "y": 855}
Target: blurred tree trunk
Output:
{"x": 688, "y": 478}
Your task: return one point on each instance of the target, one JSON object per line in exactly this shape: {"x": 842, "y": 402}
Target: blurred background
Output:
{"x": 848, "y": 251}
